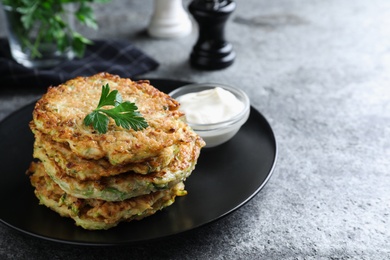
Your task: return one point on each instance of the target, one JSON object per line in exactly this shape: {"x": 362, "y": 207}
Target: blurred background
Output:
{"x": 319, "y": 71}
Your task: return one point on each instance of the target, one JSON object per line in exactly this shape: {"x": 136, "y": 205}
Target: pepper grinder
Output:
{"x": 212, "y": 51}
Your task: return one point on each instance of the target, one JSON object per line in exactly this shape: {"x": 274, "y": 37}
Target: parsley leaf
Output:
{"x": 125, "y": 114}
{"x": 108, "y": 98}
{"x": 49, "y": 19}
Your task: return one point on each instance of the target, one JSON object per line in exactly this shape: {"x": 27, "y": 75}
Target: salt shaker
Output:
{"x": 212, "y": 51}
{"x": 169, "y": 20}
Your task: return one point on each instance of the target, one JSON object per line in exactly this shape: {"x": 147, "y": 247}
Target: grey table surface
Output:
{"x": 319, "y": 71}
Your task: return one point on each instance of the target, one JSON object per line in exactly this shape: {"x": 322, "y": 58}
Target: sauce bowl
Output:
{"x": 217, "y": 133}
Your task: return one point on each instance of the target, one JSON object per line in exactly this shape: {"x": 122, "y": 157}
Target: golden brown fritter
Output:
{"x": 87, "y": 169}
{"x": 124, "y": 185}
{"x": 60, "y": 113}
{"x": 96, "y": 214}
{"x": 99, "y": 180}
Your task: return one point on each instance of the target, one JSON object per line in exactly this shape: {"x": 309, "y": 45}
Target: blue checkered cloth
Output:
{"x": 113, "y": 56}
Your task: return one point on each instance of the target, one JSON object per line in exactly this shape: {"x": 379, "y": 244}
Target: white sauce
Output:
{"x": 210, "y": 106}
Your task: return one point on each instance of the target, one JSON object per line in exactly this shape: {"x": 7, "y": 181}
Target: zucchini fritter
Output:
{"x": 125, "y": 185}
{"x": 97, "y": 179}
{"x": 86, "y": 169}
{"x": 61, "y": 111}
{"x": 96, "y": 214}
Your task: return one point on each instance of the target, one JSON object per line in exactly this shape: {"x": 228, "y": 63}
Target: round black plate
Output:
{"x": 225, "y": 178}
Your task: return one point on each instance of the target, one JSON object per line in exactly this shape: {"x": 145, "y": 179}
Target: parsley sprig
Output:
{"x": 125, "y": 113}
{"x": 47, "y": 18}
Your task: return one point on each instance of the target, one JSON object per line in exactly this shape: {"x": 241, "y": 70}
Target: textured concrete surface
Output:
{"x": 320, "y": 73}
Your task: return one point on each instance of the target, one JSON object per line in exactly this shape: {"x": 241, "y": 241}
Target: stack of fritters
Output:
{"x": 98, "y": 179}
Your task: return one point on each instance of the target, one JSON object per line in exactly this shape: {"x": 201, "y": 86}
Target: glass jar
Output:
{"x": 36, "y": 48}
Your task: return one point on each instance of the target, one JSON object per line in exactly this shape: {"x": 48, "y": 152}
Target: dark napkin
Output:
{"x": 113, "y": 56}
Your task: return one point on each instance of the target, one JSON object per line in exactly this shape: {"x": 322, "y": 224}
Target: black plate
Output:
{"x": 225, "y": 178}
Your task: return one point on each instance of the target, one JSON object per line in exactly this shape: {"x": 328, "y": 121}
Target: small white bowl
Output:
{"x": 217, "y": 133}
